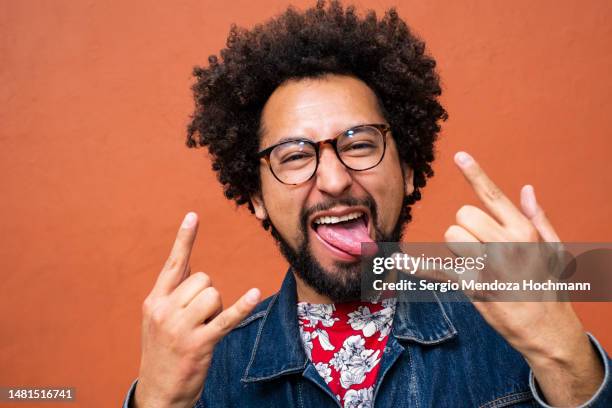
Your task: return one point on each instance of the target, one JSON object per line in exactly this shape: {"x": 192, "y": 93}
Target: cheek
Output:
{"x": 390, "y": 191}
{"x": 283, "y": 205}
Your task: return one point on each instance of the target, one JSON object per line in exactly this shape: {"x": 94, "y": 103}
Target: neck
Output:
{"x": 306, "y": 293}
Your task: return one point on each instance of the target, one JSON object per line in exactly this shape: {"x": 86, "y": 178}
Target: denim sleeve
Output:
{"x": 129, "y": 398}
{"x": 602, "y": 397}
{"x": 127, "y": 402}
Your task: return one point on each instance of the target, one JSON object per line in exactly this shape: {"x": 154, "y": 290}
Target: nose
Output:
{"x": 332, "y": 176}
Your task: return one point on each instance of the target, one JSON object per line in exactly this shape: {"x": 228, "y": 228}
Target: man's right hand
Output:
{"x": 183, "y": 320}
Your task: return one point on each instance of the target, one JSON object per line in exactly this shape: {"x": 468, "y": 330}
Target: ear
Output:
{"x": 408, "y": 179}
{"x": 260, "y": 208}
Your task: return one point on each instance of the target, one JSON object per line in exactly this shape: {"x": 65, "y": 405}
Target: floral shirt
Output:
{"x": 346, "y": 342}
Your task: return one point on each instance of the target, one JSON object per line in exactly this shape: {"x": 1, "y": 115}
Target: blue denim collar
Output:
{"x": 278, "y": 346}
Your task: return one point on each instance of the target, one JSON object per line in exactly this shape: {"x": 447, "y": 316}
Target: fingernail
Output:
{"x": 530, "y": 187}
{"x": 190, "y": 220}
{"x": 529, "y": 201}
{"x": 463, "y": 158}
{"x": 252, "y": 296}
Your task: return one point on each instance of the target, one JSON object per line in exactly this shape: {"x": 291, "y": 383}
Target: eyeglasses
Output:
{"x": 358, "y": 148}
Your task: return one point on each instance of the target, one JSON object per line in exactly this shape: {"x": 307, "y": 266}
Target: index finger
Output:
{"x": 173, "y": 271}
{"x": 491, "y": 196}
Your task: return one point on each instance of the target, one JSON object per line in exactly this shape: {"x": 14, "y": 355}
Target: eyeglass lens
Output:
{"x": 359, "y": 148}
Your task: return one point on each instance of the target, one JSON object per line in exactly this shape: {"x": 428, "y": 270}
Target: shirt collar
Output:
{"x": 278, "y": 346}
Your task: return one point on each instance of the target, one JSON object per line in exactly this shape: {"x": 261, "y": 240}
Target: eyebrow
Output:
{"x": 287, "y": 140}
{"x": 304, "y": 138}
{"x": 292, "y": 139}
{"x": 298, "y": 138}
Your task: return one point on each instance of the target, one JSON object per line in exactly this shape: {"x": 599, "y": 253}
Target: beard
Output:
{"x": 343, "y": 284}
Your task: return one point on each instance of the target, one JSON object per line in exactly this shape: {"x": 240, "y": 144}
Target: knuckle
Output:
{"x": 215, "y": 300}
{"x": 451, "y": 233}
{"x": 492, "y": 192}
{"x": 201, "y": 278}
{"x": 159, "y": 313}
{"x": 171, "y": 263}
{"x": 465, "y": 214}
{"x": 212, "y": 294}
{"x": 148, "y": 306}
{"x": 222, "y": 322}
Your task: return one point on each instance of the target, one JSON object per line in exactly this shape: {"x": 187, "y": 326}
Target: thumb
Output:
{"x": 536, "y": 215}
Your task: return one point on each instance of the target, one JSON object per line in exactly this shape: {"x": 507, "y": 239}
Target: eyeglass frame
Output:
{"x": 382, "y": 128}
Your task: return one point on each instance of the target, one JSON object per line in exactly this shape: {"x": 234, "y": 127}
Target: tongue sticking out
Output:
{"x": 346, "y": 236}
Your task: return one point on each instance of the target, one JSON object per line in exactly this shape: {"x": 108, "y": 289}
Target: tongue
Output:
{"x": 346, "y": 236}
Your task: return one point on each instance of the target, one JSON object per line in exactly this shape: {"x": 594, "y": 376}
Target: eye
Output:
{"x": 295, "y": 157}
{"x": 359, "y": 145}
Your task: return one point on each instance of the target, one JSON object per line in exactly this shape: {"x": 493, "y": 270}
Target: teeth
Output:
{"x": 335, "y": 220}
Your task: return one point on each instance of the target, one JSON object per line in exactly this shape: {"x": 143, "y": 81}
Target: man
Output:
{"x": 324, "y": 124}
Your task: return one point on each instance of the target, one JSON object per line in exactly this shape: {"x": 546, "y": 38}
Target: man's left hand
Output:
{"x": 548, "y": 334}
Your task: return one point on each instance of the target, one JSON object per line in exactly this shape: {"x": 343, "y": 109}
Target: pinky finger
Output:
{"x": 536, "y": 215}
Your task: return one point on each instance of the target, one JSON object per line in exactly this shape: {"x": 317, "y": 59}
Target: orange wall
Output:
{"x": 95, "y": 177}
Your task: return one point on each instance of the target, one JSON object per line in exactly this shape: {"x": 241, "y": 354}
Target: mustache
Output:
{"x": 367, "y": 202}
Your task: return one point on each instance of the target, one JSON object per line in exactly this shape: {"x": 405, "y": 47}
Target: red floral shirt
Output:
{"x": 346, "y": 342}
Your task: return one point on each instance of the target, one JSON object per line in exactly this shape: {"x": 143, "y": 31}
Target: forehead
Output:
{"x": 318, "y": 108}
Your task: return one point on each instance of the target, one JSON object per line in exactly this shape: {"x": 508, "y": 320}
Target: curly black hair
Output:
{"x": 326, "y": 39}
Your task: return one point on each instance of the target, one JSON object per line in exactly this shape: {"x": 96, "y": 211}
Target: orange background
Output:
{"x": 95, "y": 177}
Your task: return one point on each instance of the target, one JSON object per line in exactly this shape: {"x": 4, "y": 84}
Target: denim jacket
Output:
{"x": 439, "y": 354}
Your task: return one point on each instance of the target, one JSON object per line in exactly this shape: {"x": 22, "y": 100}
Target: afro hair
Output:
{"x": 326, "y": 39}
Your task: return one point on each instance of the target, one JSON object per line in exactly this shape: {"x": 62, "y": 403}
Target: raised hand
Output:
{"x": 506, "y": 224}
{"x": 548, "y": 334}
{"x": 183, "y": 320}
